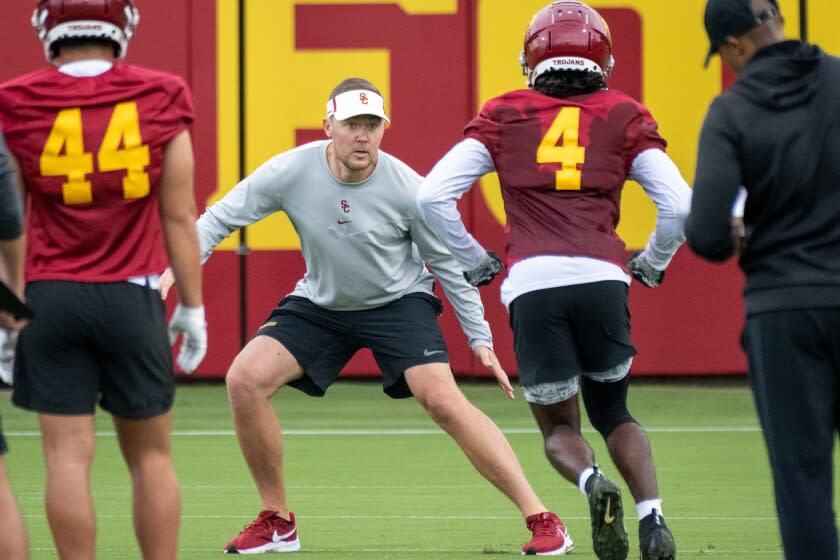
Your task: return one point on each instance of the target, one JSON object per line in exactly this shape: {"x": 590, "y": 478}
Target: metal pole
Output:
{"x": 242, "y": 250}
{"x": 803, "y": 20}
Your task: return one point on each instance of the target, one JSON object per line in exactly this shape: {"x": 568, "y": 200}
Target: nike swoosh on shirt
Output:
{"x": 342, "y": 222}
{"x": 277, "y": 538}
{"x": 428, "y": 353}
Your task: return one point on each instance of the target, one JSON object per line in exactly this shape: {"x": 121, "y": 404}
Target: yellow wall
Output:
{"x": 286, "y": 91}
{"x": 677, "y": 89}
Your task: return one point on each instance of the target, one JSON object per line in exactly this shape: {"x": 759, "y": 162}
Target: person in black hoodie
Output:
{"x": 776, "y": 132}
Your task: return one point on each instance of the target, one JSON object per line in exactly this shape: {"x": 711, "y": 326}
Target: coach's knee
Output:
{"x": 238, "y": 384}
{"x": 443, "y": 406}
{"x": 245, "y": 382}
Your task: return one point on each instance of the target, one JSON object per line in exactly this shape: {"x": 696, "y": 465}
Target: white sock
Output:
{"x": 646, "y": 507}
{"x": 584, "y": 476}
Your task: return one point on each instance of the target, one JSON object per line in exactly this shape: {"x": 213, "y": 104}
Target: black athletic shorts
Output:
{"x": 559, "y": 333}
{"x": 94, "y": 342}
{"x": 401, "y": 334}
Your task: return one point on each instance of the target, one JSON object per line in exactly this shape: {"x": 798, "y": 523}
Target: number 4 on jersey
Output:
{"x": 569, "y": 154}
{"x": 122, "y": 148}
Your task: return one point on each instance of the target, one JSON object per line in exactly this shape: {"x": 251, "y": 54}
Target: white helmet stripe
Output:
{"x": 86, "y": 29}
{"x": 563, "y": 63}
{"x": 92, "y": 28}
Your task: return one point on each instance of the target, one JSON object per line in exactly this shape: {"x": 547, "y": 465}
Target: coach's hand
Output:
{"x": 491, "y": 362}
{"x": 643, "y": 272}
{"x": 189, "y": 321}
{"x": 485, "y": 271}
{"x": 167, "y": 280}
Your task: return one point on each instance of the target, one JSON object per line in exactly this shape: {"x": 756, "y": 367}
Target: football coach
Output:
{"x": 776, "y": 132}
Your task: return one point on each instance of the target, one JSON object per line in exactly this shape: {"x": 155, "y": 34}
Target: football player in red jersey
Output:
{"x": 107, "y": 165}
{"x": 563, "y": 149}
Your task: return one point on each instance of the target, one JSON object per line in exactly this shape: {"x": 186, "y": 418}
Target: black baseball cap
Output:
{"x": 731, "y": 18}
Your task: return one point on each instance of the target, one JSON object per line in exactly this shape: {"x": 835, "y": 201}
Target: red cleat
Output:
{"x": 267, "y": 533}
{"x": 550, "y": 536}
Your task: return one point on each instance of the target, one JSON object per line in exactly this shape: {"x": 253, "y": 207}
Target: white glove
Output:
{"x": 189, "y": 321}
{"x": 8, "y": 339}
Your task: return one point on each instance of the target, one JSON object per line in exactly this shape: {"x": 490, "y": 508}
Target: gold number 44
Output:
{"x": 566, "y": 125}
{"x": 122, "y": 148}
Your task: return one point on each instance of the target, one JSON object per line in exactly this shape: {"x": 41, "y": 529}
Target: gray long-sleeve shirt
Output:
{"x": 358, "y": 239}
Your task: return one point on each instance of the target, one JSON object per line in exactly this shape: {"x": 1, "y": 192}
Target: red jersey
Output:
{"x": 562, "y": 164}
{"x": 91, "y": 152}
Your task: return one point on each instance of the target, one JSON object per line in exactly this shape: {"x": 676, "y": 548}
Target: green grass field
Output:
{"x": 374, "y": 478}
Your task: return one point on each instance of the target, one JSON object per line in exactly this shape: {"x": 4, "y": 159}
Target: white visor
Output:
{"x": 356, "y": 102}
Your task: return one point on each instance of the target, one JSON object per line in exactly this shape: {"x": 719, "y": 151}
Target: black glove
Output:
{"x": 643, "y": 272}
{"x": 485, "y": 271}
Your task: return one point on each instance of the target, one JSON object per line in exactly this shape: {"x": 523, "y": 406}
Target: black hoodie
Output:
{"x": 777, "y": 133}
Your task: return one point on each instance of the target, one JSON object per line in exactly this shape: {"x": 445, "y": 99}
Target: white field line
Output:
{"x": 414, "y": 431}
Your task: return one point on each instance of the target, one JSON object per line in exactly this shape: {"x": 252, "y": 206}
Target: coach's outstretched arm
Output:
{"x": 465, "y": 299}
{"x": 249, "y": 201}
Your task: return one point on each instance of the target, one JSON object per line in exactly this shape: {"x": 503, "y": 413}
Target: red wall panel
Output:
{"x": 179, "y": 37}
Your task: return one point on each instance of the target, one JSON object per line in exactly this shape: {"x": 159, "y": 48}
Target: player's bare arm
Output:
{"x": 178, "y": 216}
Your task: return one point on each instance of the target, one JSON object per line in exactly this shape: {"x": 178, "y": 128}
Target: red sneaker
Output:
{"x": 267, "y": 533}
{"x": 550, "y": 536}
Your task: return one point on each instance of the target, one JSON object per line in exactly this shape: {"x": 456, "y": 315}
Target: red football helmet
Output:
{"x": 566, "y": 36}
{"x": 114, "y": 20}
